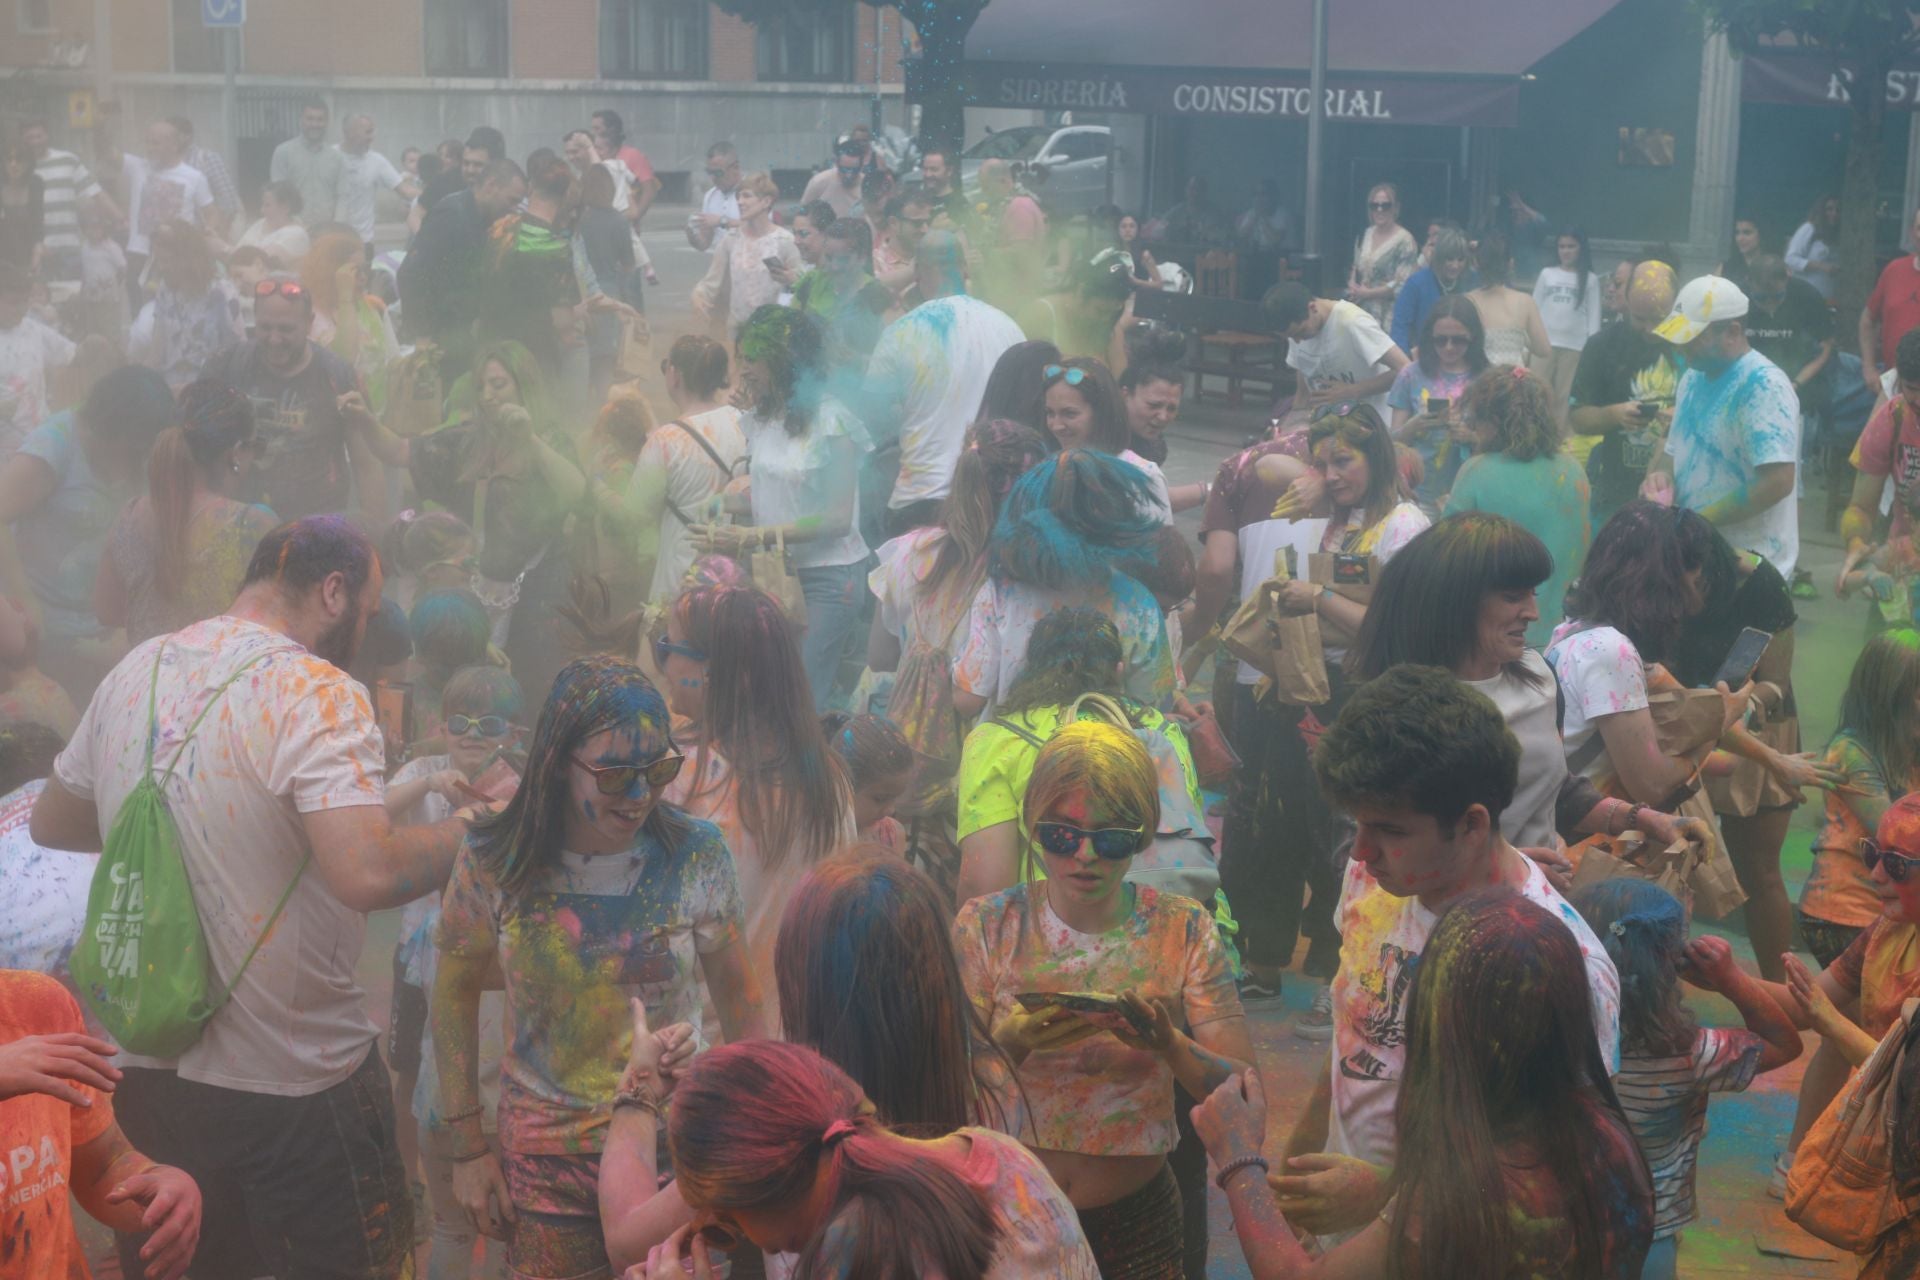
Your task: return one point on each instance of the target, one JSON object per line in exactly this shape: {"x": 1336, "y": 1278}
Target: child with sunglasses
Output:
{"x": 1099, "y": 1081}
{"x": 480, "y": 706}
{"x": 1856, "y": 1000}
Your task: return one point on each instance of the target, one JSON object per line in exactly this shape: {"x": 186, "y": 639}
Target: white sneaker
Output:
{"x": 1777, "y": 1183}
{"x": 1317, "y": 1022}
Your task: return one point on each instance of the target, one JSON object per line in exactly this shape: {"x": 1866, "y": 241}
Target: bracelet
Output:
{"x": 447, "y": 1122}
{"x": 1620, "y": 807}
{"x": 643, "y": 1099}
{"x": 470, "y": 1156}
{"x": 1234, "y": 1166}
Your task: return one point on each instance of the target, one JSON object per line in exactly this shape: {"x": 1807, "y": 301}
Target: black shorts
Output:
{"x": 298, "y": 1188}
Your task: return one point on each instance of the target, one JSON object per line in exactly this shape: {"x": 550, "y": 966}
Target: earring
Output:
{"x": 235, "y": 467}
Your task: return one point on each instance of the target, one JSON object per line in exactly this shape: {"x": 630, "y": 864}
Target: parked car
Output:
{"x": 1073, "y": 159}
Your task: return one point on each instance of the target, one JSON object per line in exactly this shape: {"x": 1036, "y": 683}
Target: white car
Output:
{"x": 1073, "y": 157}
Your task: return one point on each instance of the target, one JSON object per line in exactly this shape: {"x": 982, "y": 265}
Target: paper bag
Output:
{"x": 415, "y": 392}
{"x": 636, "y": 347}
{"x": 1600, "y": 858}
{"x": 1285, "y": 649}
{"x": 772, "y": 573}
{"x": 1350, "y": 576}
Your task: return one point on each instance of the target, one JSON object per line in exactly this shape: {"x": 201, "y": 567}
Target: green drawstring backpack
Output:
{"x": 142, "y": 962}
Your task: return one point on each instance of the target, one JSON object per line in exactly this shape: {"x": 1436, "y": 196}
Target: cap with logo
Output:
{"x": 1700, "y": 304}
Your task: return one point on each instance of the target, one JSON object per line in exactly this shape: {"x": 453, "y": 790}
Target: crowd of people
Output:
{"x": 790, "y": 746}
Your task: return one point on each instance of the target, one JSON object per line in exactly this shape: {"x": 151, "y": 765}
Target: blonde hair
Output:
{"x": 1109, "y": 764}
{"x": 761, "y": 184}
{"x": 318, "y": 270}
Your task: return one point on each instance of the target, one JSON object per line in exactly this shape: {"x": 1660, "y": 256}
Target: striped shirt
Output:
{"x": 1665, "y": 1098}
{"x": 219, "y": 181}
{"x": 67, "y": 183}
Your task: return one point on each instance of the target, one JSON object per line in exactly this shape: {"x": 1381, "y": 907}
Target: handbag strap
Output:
{"x": 726, "y": 469}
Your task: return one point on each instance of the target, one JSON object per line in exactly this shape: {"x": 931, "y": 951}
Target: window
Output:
{"x": 196, "y": 48}
{"x": 34, "y": 16}
{"x": 653, "y": 39}
{"x": 808, "y": 47}
{"x": 1080, "y": 146}
{"x": 467, "y": 38}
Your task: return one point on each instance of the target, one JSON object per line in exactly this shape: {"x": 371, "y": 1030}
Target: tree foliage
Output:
{"x": 942, "y": 26}
{"x": 1864, "y": 39}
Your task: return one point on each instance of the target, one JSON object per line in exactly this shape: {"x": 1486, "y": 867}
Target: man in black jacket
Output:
{"x": 440, "y": 277}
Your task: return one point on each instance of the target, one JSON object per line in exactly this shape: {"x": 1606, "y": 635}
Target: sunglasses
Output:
{"x": 1899, "y": 865}
{"x": 922, "y": 223}
{"x": 1451, "y": 340}
{"x": 1073, "y": 377}
{"x": 1063, "y": 840}
{"x": 1344, "y": 409}
{"x": 485, "y": 726}
{"x": 284, "y": 288}
{"x": 723, "y": 1236}
{"x": 1380, "y": 206}
{"x": 662, "y": 647}
{"x": 624, "y": 779}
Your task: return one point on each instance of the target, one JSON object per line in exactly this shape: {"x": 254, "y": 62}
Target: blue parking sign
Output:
{"x": 223, "y": 13}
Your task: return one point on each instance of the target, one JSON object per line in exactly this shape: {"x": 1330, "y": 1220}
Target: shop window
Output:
{"x": 467, "y": 38}
{"x": 195, "y": 47}
{"x": 653, "y": 39}
{"x": 808, "y": 47}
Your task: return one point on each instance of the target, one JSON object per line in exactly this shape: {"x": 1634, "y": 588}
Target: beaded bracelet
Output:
{"x": 447, "y": 1122}
{"x": 470, "y": 1156}
{"x": 1234, "y": 1166}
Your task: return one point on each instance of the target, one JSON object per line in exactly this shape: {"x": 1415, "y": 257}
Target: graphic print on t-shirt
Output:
{"x": 1384, "y": 1023}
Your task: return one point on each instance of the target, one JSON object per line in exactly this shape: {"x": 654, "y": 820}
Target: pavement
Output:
{"x": 1740, "y": 1231}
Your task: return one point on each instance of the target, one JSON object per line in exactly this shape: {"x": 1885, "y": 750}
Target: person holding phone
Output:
{"x": 1743, "y": 601}
{"x": 1102, "y": 1100}
{"x": 1453, "y": 351}
{"x": 738, "y": 278}
{"x": 1623, "y": 390}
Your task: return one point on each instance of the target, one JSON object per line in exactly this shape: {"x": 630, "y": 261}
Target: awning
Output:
{"x": 1458, "y": 63}
{"x": 1811, "y": 80}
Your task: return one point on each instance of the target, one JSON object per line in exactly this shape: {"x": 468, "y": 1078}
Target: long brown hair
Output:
{"x": 866, "y": 974}
{"x": 1363, "y": 431}
{"x": 995, "y": 454}
{"x": 792, "y": 790}
{"x": 754, "y": 1125}
{"x": 1877, "y": 710}
{"x": 1501, "y": 1050}
{"x": 215, "y": 419}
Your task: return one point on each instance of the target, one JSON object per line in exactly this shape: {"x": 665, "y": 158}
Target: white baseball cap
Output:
{"x": 1702, "y": 302}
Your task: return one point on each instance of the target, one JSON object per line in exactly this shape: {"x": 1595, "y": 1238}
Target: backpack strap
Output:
{"x": 1032, "y": 739}
{"x": 153, "y": 717}
{"x": 711, "y": 452}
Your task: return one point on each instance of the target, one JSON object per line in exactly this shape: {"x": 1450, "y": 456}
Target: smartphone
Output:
{"x": 1649, "y": 409}
{"x": 773, "y": 264}
{"x": 1438, "y": 406}
{"x": 1748, "y": 648}
{"x": 1107, "y": 1012}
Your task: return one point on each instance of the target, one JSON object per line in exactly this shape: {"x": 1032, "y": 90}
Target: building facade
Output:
{"x": 681, "y": 73}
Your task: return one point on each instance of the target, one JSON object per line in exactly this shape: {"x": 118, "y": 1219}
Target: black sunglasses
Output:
{"x": 663, "y": 647}
{"x": 623, "y": 779}
{"x": 1899, "y": 865}
{"x": 1063, "y": 840}
{"x": 486, "y": 726}
{"x": 1380, "y": 205}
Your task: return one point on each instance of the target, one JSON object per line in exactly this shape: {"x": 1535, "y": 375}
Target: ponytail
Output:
{"x": 215, "y": 419}
{"x": 898, "y": 1214}
{"x": 757, "y": 1124}
{"x": 170, "y": 489}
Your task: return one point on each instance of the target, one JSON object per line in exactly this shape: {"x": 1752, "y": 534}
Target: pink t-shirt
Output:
{"x": 1890, "y": 446}
{"x": 636, "y": 162}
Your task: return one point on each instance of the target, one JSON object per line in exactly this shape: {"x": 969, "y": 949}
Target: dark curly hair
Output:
{"x": 792, "y": 346}
{"x": 1071, "y": 652}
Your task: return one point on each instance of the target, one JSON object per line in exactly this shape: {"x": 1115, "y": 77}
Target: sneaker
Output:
{"x": 1258, "y": 994}
{"x": 1803, "y": 588}
{"x": 1317, "y": 1022}
{"x": 1777, "y": 1184}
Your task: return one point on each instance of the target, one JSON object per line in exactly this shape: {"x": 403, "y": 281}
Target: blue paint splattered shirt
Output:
{"x": 590, "y": 934}
{"x": 1727, "y": 426}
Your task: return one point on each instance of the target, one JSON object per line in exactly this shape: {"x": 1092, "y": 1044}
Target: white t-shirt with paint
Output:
{"x": 1350, "y": 347}
{"x": 158, "y": 198}
{"x": 293, "y": 735}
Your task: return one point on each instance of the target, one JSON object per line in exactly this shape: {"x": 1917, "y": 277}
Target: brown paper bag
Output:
{"x": 1602, "y": 857}
{"x": 415, "y": 392}
{"x": 773, "y": 573}
{"x": 1716, "y": 887}
{"x": 636, "y": 347}
{"x": 1350, "y": 576}
{"x": 1285, "y": 649}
